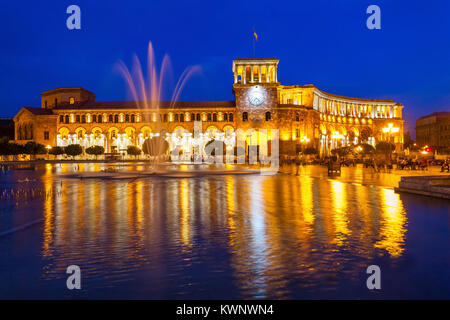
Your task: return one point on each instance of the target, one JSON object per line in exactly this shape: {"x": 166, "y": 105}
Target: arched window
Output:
{"x": 182, "y": 117}
{"x": 165, "y": 117}
{"x": 110, "y": 118}
{"x": 230, "y": 117}
{"x": 77, "y": 118}
{"x": 127, "y": 118}
{"x": 116, "y": 118}
{"x": 198, "y": 117}
{"x": 225, "y": 117}
{"x": 99, "y": 118}
{"x": 176, "y": 117}
{"x": 66, "y": 118}
{"x": 133, "y": 118}
{"x": 97, "y": 133}
{"x": 94, "y": 118}
{"x": 209, "y": 117}
{"x": 268, "y": 116}
{"x": 192, "y": 116}
{"x": 61, "y": 118}
{"x": 245, "y": 116}
{"x": 215, "y": 117}
{"x": 83, "y": 119}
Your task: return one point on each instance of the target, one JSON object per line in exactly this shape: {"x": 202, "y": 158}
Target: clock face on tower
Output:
{"x": 256, "y": 95}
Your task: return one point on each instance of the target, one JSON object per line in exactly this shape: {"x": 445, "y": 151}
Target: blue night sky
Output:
{"x": 325, "y": 43}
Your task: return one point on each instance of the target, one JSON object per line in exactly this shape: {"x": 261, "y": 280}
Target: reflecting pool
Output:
{"x": 217, "y": 237}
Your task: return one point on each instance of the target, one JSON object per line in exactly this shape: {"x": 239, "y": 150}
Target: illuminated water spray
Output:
{"x": 147, "y": 90}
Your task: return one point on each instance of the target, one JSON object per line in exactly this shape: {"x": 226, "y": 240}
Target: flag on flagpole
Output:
{"x": 256, "y": 36}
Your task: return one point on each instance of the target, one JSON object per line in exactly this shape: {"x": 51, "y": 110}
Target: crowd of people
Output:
{"x": 377, "y": 164}
{"x": 413, "y": 164}
{"x": 446, "y": 165}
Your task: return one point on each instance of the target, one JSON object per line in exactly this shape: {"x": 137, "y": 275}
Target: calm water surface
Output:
{"x": 214, "y": 237}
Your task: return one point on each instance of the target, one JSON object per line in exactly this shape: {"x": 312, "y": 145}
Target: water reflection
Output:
{"x": 266, "y": 236}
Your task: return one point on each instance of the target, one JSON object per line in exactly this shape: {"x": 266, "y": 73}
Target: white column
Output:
{"x": 276, "y": 73}
{"x": 259, "y": 73}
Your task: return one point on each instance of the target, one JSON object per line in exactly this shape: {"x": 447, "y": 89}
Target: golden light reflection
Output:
{"x": 307, "y": 201}
{"x": 340, "y": 218}
{"x": 48, "y": 219}
{"x": 185, "y": 233}
{"x": 392, "y": 224}
{"x": 272, "y": 227}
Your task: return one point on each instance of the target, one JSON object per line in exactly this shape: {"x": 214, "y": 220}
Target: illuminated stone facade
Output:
{"x": 304, "y": 115}
{"x": 434, "y": 130}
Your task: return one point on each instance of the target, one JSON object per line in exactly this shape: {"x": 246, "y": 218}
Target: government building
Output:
{"x": 434, "y": 130}
{"x": 304, "y": 115}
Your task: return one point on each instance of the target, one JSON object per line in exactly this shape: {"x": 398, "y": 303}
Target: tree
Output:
{"x": 56, "y": 151}
{"x": 73, "y": 150}
{"x": 365, "y": 134}
{"x": 155, "y": 146}
{"x": 14, "y": 149}
{"x": 213, "y": 145}
{"x": 33, "y": 148}
{"x": 95, "y": 150}
{"x": 351, "y": 136}
{"x": 342, "y": 152}
{"x": 310, "y": 150}
{"x": 134, "y": 151}
{"x": 366, "y": 148}
{"x": 384, "y": 147}
{"x": 409, "y": 142}
{"x": 4, "y": 146}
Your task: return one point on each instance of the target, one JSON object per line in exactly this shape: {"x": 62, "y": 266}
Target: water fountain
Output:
{"x": 147, "y": 93}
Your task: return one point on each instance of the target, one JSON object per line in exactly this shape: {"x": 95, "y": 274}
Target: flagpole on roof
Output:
{"x": 255, "y": 38}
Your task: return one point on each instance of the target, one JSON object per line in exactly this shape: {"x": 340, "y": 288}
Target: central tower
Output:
{"x": 257, "y": 70}
{"x": 255, "y": 90}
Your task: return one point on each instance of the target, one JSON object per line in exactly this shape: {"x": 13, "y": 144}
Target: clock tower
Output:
{"x": 255, "y": 90}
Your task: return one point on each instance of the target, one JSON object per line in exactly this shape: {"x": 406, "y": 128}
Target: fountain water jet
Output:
{"x": 147, "y": 92}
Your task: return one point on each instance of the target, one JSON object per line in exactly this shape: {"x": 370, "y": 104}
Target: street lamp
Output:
{"x": 48, "y": 147}
{"x": 337, "y": 136}
{"x": 303, "y": 140}
{"x": 390, "y": 129}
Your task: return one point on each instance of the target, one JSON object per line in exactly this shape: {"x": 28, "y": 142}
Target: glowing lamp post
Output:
{"x": 389, "y": 130}
{"x": 304, "y": 140}
{"x": 48, "y": 147}
{"x": 336, "y": 136}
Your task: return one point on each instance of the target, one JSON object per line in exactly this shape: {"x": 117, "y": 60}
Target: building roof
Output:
{"x": 248, "y": 59}
{"x": 63, "y": 89}
{"x": 141, "y": 104}
{"x": 436, "y": 114}
{"x": 38, "y": 111}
